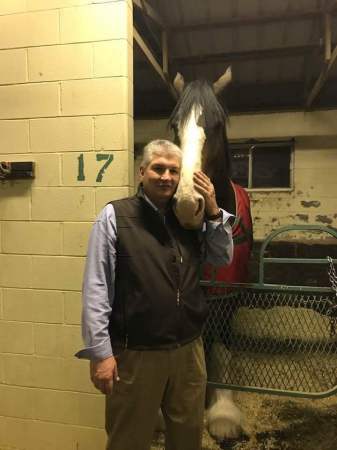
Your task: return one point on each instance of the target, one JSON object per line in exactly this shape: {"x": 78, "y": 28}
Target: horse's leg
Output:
{"x": 223, "y": 417}
{"x": 160, "y": 425}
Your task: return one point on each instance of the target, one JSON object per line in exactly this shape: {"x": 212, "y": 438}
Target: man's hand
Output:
{"x": 103, "y": 374}
{"x": 205, "y": 187}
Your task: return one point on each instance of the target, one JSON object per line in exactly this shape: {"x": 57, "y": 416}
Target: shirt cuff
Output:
{"x": 97, "y": 352}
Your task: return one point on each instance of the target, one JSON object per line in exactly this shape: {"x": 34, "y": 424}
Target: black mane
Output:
{"x": 199, "y": 93}
{"x": 216, "y": 161}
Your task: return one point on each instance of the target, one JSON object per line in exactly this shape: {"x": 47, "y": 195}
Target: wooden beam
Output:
{"x": 151, "y": 58}
{"x": 330, "y": 6}
{"x": 321, "y": 79}
{"x": 149, "y": 11}
{"x": 279, "y": 52}
{"x": 165, "y": 52}
{"x": 246, "y": 20}
{"x": 327, "y": 37}
{"x": 329, "y": 59}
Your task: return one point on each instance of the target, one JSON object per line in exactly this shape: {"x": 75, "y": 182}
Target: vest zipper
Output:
{"x": 126, "y": 341}
{"x": 178, "y": 297}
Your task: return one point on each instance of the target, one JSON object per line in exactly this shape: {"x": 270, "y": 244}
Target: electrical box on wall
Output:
{"x": 17, "y": 170}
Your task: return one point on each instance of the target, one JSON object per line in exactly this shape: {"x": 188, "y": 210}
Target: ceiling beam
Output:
{"x": 330, "y": 6}
{"x": 152, "y": 60}
{"x": 249, "y": 20}
{"x": 321, "y": 79}
{"x": 247, "y": 55}
{"x": 147, "y": 9}
{"x": 329, "y": 61}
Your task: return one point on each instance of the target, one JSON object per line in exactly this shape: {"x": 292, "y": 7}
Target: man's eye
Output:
{"x": 174, "y": 171}
{"x": 158, "y": 169}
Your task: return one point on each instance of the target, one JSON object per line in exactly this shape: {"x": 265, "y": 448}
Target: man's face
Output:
{"x": 160, "y": 179}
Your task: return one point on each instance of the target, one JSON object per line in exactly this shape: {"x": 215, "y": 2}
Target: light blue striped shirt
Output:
{"x": 99, "y": 275}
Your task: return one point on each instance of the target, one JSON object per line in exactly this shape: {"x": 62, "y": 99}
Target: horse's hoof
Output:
{"x": 224, "y": 420}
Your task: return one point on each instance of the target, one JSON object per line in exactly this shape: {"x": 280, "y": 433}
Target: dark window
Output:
{"x": 261, "y": 165}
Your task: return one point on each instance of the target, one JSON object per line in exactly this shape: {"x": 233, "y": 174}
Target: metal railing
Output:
{"x": 270, "y": 338}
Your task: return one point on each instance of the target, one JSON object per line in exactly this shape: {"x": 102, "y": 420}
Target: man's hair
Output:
{"x": 160, "y": 147}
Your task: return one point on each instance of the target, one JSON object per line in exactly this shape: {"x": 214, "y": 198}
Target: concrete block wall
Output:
{"x": 66, "y": 103}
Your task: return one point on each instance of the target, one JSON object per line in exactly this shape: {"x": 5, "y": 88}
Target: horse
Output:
{"x": 199, "y": 124}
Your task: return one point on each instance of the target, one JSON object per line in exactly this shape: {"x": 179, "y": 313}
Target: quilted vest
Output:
{"x": 158, "y": 301}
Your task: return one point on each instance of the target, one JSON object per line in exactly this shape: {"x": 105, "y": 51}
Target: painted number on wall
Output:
{"x": 99, "y": 157}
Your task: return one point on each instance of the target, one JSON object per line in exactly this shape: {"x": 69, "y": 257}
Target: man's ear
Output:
{"x": 141, "y": 171}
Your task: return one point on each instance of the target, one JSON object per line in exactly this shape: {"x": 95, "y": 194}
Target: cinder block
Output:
{"x": 89, "y": 438}
{"x": 57, "y": 340}
{"x": 13, "y": 65}
{"x": 72, "y": 340}
{"x": 113, "y": 132}
{"x": 77, "y": 375}
{"x": 72, "y": 308}
{"x": 95, "y": 22}
{"x": 48, "y": 340}
{"x": 2, "y": 380}
{"x": 95, "y": 96}
{"x": 57, "y": 272}
{"x": 12, "y": 6}
{"x": 14, "y": 136}
{"x": 60, "y": 62}
{"x": 29, "y": 100}
{"x": 1, "y": 304}
{"x": 96, "y": 172}
{"x": 130, "y": 97}
{"x": 70, "y": 408}
{"x": 0, "y": 252}
{"x": 26, "y": 30}
{"x": 56, "y": 406}
{"x": 16, "y": 337}
{"x": 75, "y": 238}
{"x": 33, "y": 371}
{"x": 15, "y": 200}
{"x": 113, "y": 59}
{"x": 16, "y": 402}
{"x": 47, "y": 372}
{"x": 63, "y": 204}
{"x": 33, "y": 5}
{"x": 31, "y": 305}
{"x": 106, "y": 195}
{"x": 32, "y": 238}
{"x": 61, "y": 134}
{"x": 131, "y": 167}
{"x": 18, "y": 369}
{"x": 47, "y": 168}
{"x": 16, "y": 271}
{"x": 38, "y": 435}
{"x": 91, "y": 410}
{"x": 3, "y": 440}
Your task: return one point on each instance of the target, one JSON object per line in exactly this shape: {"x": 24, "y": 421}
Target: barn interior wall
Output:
{"x": 66, "y": 103}
{"x": 313, "y": 198}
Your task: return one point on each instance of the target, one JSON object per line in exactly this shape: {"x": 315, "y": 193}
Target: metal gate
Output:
{"x": 271, "y": 338}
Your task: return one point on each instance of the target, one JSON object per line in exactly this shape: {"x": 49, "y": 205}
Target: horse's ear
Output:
{"x": 222, "y": 82}
{"x": 179, "y": 83}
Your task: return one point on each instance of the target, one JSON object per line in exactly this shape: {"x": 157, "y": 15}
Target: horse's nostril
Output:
{"x": 200, "y": 207}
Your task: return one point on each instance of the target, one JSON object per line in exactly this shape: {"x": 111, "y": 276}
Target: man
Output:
{"x": 143, "y": 308}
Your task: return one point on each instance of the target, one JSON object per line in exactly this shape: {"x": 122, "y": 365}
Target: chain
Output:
{"x": 333, "y": 310}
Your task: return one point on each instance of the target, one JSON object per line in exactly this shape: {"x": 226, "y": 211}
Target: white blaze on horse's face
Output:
{"x": 190, "y": 205}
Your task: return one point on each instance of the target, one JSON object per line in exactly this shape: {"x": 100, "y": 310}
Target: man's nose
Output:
{"x": 166, "y": 175}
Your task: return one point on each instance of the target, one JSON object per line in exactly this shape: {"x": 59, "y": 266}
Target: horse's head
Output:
{"x": 198, "y": 121}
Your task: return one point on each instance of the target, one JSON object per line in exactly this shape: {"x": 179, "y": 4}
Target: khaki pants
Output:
{"x": 174, "y": 380}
